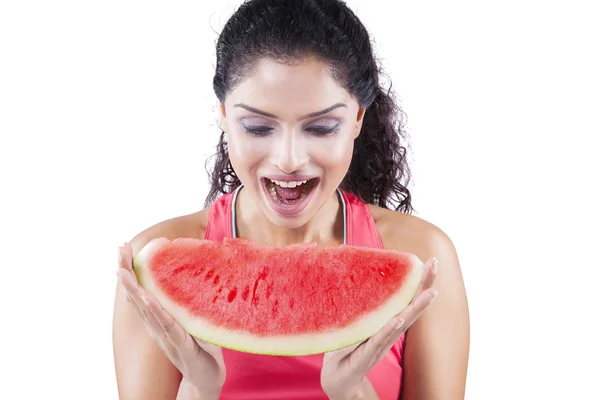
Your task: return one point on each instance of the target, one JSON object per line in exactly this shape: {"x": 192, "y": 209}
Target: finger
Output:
{"x": 173, "y": 340}
{"x": 129, "y": 298}
{"x": 417, "y": 307}
{"x": 411, "y": 313}
{"x": 432, "y": 275}
{"x": 210, "y": 348}
{"x": 349, "y": 349}
{"x": 342, "y": 353}
{"x": 390, "y": 333}
{"x": 125, "y": 261}
{"x": 137, "y": 294}
{"x": 132, "y": 303}
{"x": 129, "y": 251}
{"x": 363, "y": 356}
{"x": 398, "y": 325}
{"x": 160, "y": 325}
{"x": 134, "y": 290}
{"x": 368, "y": 352}
{"x": 129, "y": 289}
{"x": 173, "y": 330}
{"x": 428, "y": 277}
{"x": 426, "y": 269}
{"x": 128, "y": 280}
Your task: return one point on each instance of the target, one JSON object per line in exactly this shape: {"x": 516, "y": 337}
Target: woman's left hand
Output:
{"x": 343, "y": 375}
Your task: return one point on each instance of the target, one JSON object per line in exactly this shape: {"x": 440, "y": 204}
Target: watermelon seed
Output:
{"x": 245, "y": 293}
{"x": 269, "y": 290}
{"x": 254, "y": 296}
{"x": 261, "y": 276}
{"x": 334, "y": 306}
{"x": 232, "y": 295}
{"x": 179, "y": 269}
{"x": 216, "y": 280}
{"x": 209, "y": 274}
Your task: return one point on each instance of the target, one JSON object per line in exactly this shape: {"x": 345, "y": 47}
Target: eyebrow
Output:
{"x": 269, "y": 115}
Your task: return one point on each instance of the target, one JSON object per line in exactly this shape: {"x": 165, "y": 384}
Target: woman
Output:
{"x": 308, "y": 133}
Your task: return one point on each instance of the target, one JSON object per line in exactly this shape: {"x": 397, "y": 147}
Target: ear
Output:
{"x": 222, "y": 117}
{"x": 359, "y": 120}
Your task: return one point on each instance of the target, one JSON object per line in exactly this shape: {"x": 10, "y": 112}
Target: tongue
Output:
{"x": 289, "y": 193}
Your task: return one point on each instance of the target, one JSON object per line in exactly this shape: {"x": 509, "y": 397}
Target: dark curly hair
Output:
{"x": 290, "y": 30}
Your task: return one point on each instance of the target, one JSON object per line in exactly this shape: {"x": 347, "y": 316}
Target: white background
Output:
{"x": 107, "y": 114}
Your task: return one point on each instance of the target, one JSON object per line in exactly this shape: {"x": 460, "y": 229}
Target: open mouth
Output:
{"x": 289, "y": 197}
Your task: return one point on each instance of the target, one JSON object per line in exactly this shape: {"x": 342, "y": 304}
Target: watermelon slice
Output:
{"x": 294, "y": 300}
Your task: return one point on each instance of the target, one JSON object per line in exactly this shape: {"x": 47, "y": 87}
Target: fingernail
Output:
{"x": 400, "y": 323}
{"x": 145, "y": 299}
{"x": 435, "y": 266}
{"x": 435, "y": 293}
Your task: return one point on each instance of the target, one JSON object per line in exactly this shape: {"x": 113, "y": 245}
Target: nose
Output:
{"x": 289, "y": 153}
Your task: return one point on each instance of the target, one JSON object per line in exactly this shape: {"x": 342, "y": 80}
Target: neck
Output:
{"x": 326, "y": 228}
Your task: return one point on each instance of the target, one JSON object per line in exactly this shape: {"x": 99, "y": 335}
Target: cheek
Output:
{"x": 244, "y": 150}
{"x": 239, "y": 156}
{"x": 335, "y": 152}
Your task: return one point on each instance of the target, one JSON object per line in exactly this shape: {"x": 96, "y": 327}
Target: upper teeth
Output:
{"x": 291, "y": 184}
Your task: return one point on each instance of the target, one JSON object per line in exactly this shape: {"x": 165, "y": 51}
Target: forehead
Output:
{"x": 289, "y": 89}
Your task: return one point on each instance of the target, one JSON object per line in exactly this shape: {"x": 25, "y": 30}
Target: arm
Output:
{"x": 437, "y": 344}
{"x": 143, "y": 371}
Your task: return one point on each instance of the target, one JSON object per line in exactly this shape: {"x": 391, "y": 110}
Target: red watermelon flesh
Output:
{"x": 294, "y": 300}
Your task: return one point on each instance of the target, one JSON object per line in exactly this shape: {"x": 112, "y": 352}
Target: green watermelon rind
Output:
{"x": 284, "y": 345}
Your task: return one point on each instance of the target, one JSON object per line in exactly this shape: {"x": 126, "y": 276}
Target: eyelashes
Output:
{"x": 257, "y": 130}
{"x": 315, "y": 130}
{"x": 323, "y": 130}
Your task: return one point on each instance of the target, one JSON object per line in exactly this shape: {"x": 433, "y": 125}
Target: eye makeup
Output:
{"x": 323, "y": 128}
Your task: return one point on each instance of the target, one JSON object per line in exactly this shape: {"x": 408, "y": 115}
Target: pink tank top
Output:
{"x": 258, "y": 377}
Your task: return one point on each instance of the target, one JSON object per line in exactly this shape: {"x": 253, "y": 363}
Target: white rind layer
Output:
{"x": 301, "y": 344}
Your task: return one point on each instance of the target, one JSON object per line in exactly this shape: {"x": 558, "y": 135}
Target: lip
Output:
{"x": 281, "y": 209}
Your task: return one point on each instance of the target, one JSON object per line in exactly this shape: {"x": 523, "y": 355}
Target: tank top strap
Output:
{"x": 219, "y": 224}
{"x": 360, "y": 225}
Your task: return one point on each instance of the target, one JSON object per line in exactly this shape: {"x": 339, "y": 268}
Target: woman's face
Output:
{"x": 290, "y": 132}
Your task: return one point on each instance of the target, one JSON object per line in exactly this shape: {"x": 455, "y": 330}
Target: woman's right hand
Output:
{"x": 199, "y": 362}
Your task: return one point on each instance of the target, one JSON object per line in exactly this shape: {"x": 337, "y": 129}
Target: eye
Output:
{"x": 257, "y": 130}
{"x": 322, "y": 130}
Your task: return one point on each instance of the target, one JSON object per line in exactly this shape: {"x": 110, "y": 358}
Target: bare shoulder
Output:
{"x": 435, "y": 364}
{"x": 412, "y": 234}
{"x": 189, "y": 226}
